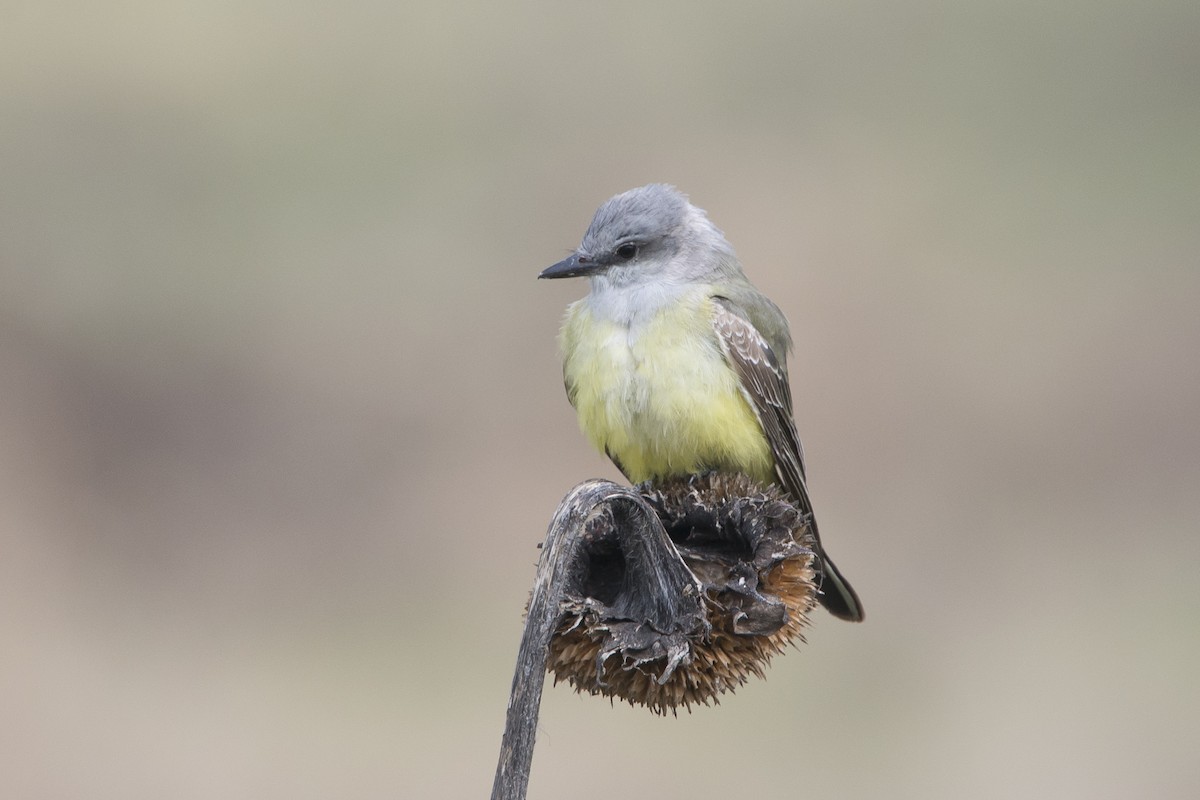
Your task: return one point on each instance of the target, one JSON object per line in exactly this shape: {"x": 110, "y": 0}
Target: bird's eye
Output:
{"x": 627, "y": 250}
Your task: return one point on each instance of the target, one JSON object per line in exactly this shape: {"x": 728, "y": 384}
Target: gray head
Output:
{"x": 649, "y": 235}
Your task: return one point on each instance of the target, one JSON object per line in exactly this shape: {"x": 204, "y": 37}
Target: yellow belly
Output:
{"x": 660, "y": 398}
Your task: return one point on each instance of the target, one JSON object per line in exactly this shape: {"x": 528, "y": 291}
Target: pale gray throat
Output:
{"x": 633, "y": 306}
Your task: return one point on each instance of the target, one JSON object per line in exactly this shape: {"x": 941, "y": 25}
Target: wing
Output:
{"x": 766, "y": 387}
{"x": 765, "y": 384}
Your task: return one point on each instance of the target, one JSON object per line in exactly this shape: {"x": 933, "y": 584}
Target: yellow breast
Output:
{"x": 658, "y": 395}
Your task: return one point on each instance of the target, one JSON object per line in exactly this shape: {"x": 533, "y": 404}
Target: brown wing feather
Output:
{"x": 766, "y": 386}
{"x": 767, "y": 389}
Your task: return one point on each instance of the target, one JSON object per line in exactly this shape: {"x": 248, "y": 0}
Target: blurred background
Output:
{"x": 282, "y": 420}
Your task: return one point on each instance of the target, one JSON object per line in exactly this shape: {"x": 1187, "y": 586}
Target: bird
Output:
{"x": 676, "y": 364}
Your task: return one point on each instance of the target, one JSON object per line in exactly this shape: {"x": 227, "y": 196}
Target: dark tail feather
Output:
{"x": 838, "y": 597}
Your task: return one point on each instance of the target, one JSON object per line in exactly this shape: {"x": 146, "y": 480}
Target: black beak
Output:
{"x": 573, "y": 267}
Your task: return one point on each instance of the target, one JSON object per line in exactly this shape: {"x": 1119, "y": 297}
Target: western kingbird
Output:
{"x": 675, "y": 363}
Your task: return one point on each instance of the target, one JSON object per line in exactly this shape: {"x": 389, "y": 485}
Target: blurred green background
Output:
{"x": 282, "y": 419}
